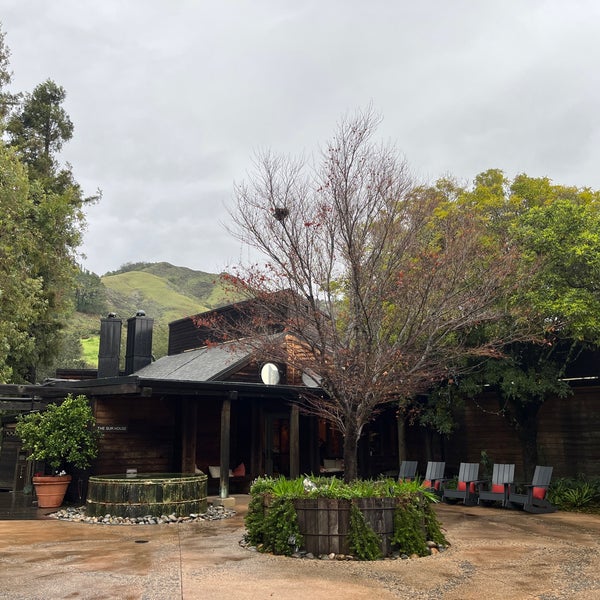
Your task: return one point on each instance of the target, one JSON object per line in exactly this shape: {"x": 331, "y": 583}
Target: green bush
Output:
{"x": 280, "y": 528}
{"x": 414, "y": 524}
{"x": 364, "y": 543}
{"x": 579, "y": 493}
{"x": 63, "y": 434}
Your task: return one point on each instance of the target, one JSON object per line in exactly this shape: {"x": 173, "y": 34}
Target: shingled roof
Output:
{"x": 211, "y": 363}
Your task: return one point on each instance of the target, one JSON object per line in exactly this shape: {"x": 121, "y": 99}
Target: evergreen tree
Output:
{"x": 42, "y": 220}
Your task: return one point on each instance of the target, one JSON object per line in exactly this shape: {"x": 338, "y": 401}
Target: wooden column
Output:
{"x": 294, "y": 442}
{"x": 401, "y": 439}
{"x": 189, "y": 431}
{"x": 225, "y": 442}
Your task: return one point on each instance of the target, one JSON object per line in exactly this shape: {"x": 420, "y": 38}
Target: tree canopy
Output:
{"x": 557, "y": 229}
{"x": 386, "y": 280}
{"x": 42, "y": 224}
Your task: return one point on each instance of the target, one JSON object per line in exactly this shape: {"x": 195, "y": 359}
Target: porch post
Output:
{"x": 401, "y": 439}
{"x": 189, "y": 426}
{"x": 294, "y": 442}
{"x": 225, "y": 440}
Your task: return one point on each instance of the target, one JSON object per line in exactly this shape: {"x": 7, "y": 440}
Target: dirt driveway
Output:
{"x": 495, "y": 554}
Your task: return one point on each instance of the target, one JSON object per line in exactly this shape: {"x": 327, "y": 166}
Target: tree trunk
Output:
{"x": 351, "y": 438}
{"x": 522, "y": 417}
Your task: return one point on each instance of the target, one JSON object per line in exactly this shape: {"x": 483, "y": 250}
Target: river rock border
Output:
{"x": 77, "y": 514}
{"x": 432, "y": 547}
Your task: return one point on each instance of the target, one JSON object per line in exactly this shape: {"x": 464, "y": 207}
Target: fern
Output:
{"x": 364, "y": 543}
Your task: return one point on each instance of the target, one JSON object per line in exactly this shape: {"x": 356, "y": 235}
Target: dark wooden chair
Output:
{"x": 499, "y": 489}
{"x": 534, "y": 501}
{"x": 408, "y": 470}
{"x": 466, "y": 490}
{"x": 434, "y": 477}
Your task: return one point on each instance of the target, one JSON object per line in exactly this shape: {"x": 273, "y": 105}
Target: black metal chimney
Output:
{"x": 109, "y": 353}
{"x": 139, "y": 342}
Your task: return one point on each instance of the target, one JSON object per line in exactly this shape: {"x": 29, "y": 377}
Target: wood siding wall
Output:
{"x": 568, "y": 435}
{"x": 149, "y": 442}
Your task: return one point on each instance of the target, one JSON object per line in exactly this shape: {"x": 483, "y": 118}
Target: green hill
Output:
{"x": 165, "y": 292}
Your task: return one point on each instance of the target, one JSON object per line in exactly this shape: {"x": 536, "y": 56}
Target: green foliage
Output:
{"x": 364, "y": 543}
{"x": 6, "y": 99}
{"x": 46, "y": 231}
{"x": 280, "y": 530}
{"x": 573, "y": 494}
{"x": 286, "y": 488}
{"x": 555, "y": 231}
{"x": 414, "y": 524}
{"x": 62, "y": 434}
{"x": 40, "y": 127}
{"x": 89, "y": 347}
{"x": 487, "y": 465}
{"x": 90, "y": 294}
{"x": 332, "y": 487}
{"x": 21, "y": 290}
{"x": 272, "y": 525}
{"x": 68, "y": 356}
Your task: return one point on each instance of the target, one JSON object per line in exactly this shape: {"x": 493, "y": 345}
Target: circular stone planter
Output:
{"x": 152, "y": 494}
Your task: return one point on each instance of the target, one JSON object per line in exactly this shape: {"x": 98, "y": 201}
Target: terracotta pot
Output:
{"x": 50, "y": 490}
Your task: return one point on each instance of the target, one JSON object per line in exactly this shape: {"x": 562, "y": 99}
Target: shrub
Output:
{"x": 280, "y": 528}
{"x": 62, "y": 434}
{"x": 364, "y": 543}
{"x": 579, "y": 493}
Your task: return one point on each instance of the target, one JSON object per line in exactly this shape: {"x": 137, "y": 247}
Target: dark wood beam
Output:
{"x": 189, "y": 427}
{"x": 225, "y": 442}
{"x": 22, "y": 404}
{"x": 294, "y": 442}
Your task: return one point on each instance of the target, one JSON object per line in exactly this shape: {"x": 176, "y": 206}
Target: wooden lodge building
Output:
{"x": 204, "y": 405}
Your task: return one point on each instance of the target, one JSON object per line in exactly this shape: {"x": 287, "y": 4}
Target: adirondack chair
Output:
{"x": 534, "y": 501}
{"x": 503, "y": 477}
{"x": 408, "y": 470}
{"x": 434, "y": 476}
{"x": 466, "y": 489}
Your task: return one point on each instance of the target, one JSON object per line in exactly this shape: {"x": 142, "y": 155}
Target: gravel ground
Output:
{"x": 495, "y": 554}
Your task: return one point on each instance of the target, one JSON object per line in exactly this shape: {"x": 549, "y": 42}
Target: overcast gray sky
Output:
{"x": 171, "y": 98}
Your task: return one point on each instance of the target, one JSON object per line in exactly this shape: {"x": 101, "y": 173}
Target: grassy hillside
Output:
{"x": 165, "y": 292}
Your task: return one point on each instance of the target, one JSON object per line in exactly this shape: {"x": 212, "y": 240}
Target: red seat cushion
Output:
{"x": 435, "y": 486}
{"x": 539, "y": 493}
{"x": 498, "y": 488}
{"x": 240, "y": 470}
{"x": 462, "y": 486}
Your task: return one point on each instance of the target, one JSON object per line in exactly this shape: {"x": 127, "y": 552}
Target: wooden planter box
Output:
{"x": 324, "y": 522}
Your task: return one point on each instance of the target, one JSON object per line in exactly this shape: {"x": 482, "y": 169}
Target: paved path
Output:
{"x": 495, "y": 554}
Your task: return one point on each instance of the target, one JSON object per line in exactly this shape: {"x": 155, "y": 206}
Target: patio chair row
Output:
{"x": 472, "y": 490}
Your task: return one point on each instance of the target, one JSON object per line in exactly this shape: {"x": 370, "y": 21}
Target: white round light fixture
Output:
{"x": 270, "y": 374}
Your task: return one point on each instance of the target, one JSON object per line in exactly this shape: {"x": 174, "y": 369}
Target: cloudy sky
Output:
{"x": 171, "y": 98}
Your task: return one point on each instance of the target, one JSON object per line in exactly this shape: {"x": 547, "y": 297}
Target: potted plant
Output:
{"x": 63, "y": 434}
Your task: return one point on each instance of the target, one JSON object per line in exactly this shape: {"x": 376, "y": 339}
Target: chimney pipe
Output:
{"x": 109, "y": 353}
{"x": 139, "y": 342}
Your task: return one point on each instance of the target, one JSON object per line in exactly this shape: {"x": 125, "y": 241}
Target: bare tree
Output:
{"x": 385, "y": 281}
